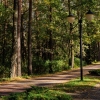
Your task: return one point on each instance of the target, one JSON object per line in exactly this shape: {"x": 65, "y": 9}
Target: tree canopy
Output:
{"x": 36, "y": 38}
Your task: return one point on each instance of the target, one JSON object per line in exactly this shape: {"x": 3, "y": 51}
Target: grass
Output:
{"x": 6, "y": 80}
{"x": 96, "y": 62}
{"x": 39, "y": 93}
{"x": 77, "y": 85}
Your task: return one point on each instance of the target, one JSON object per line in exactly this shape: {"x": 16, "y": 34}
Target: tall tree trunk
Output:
{"x": 29, "y": 39}
{"x": 14, "y": 43}
{"x": 4, "y": 33}
{"x": 23, "y": 36}
{"x": 50, "y": 42}
{"x": 19, "y": 37}
{"x": 23, "y": 41}
{"x": 16, "y": 54}
{"x": 98, "y": 52}
{"x": 37, "y": 32}
{"x": 71, "y": 49}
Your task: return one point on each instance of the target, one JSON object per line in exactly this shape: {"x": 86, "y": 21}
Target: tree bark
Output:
{"x": 14, "y": 43}
{"x": 4, "y": 41}
{"x": 19, "y": 37}
{"x": 29, "y": 39}
{"x": 71, "y": 49}
{"x": 50, "y": 45}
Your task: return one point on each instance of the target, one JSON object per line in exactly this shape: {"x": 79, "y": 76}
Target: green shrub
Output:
{"x": 38, "y": 93}
{"x": 58, "y": 65}
{"x": 4, "y": 72}
{"x": 77, "y": 62}
{"x": 95, "y": 72}
{"x": 42, "y": 66}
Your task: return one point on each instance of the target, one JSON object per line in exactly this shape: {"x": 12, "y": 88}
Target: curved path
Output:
{"x": 20, "y": 86}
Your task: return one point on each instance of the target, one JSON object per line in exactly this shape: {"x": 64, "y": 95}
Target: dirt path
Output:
{"x": 20, "y": 86}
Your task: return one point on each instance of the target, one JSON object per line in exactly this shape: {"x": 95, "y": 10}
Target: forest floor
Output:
{"x": 49, "y": 80}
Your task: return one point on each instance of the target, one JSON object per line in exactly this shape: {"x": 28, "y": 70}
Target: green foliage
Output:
{"x": 50, "y": 16}
{"x": 4, "y": 72}
{"x": 95, "y": 72}
{"x": 4, "y": 79}
{"x": 42, "y": 66}
{"x": 39, "y": 93}
{"x": 59, "y": 65}
{"x": 4, "y": 13}
{"x": 77, "y": 62}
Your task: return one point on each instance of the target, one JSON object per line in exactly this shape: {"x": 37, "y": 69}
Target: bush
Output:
{"x": 42, "y": 66}
{"x": 95, "y": 72}
{"x": 39, "y": 93}
{"x": 59, "y": 65}
{"x": 77, "y": 62}
{"x": 4, "y": 72}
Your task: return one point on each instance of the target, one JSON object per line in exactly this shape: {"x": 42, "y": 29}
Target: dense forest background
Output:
{"x": 36, "y": 38}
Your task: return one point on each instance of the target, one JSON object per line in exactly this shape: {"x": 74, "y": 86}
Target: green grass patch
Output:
{"x": 39, "y": 93}
{"x": 4, "y": 79}
{"x": 77, "y": 85}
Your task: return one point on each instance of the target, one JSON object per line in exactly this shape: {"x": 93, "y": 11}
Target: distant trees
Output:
{"x": 35, "y": 36}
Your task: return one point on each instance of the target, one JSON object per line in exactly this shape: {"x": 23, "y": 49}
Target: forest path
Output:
{"x": 20, "y": 86}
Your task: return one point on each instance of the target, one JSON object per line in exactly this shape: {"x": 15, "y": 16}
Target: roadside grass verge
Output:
{"x": 78, "y": 85}
{"x": 38, "y": 93}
